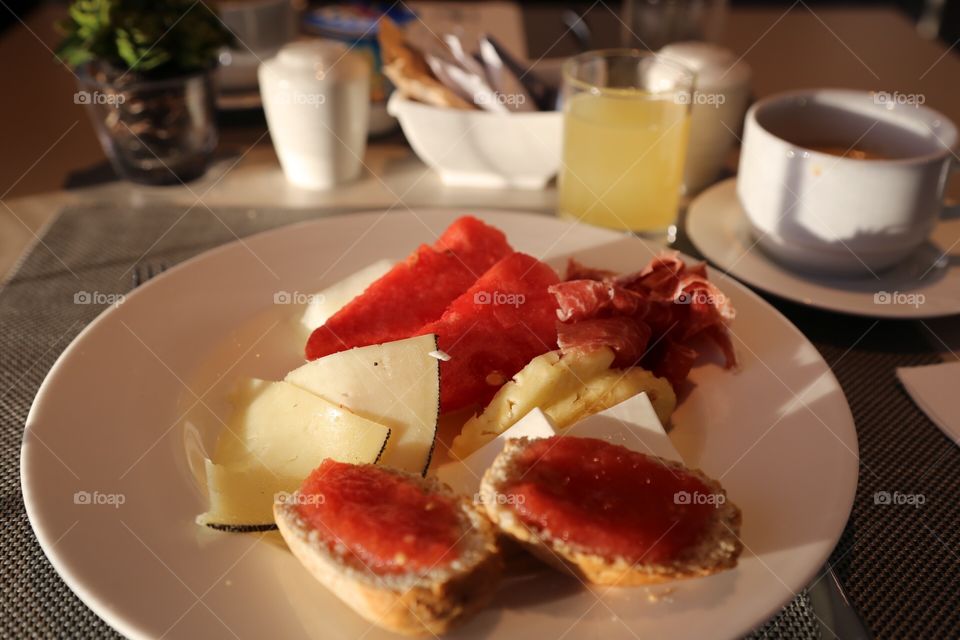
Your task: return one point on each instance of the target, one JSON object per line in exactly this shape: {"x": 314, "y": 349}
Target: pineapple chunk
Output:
{"x": 567, "y": 388}
{"x": 609, "y": 389}
{"x": 545, "y": 379}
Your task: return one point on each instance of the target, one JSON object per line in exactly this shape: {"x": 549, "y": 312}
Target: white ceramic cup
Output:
{"x": 316, "y": 96}
{"x": 831, "y": 213}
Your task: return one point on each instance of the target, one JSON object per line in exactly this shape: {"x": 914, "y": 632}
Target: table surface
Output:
{"x": 788, "y": 47}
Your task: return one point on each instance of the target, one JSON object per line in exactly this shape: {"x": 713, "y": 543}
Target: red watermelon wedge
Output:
{"x": 503, "y": 321}
{"x": 415, "y": 292}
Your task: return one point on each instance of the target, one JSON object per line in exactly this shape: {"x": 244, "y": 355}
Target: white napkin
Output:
{"x": 935, "y": 390}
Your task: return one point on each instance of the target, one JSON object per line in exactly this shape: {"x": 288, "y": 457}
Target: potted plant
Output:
{"x": 146, "y": 74}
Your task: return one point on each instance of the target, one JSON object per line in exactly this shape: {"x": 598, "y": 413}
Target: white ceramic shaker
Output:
{"x": 719, "y": 104}
{"x": 316, "y": 96}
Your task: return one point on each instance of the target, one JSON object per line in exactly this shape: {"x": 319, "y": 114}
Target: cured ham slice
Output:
{"x": 667, "y": 307}
{"x": 627, "y": 337}
{"x": 582, "y": 299}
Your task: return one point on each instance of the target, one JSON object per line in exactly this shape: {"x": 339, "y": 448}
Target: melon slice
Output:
{"x": 493, "y": 330}
{"x": 396, "y": 384}
{"x": 324, "y": 304}
{"x": 277, "y": 435}
{"x": 414, "y": 292}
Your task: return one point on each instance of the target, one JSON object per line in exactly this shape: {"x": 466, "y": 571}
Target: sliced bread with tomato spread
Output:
{"x": 610, "y": 515}
{"x": 404, "y": 552}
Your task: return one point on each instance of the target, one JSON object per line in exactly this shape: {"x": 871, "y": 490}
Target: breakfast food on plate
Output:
{"x": 396, "y": 384}
{"x": 653, "y": 317}
{"x": 325, "y": 303}
{"x": 569, "y": 383}
{"x": 463, "y": 474}
{"x": 611, "y": 515}
{"x": 415, "y": 292}
{"x": 609, "y": 389}
{"x": 404, "y": 552}
{"x": 490, "y": 332}
{"x": 274, "y": 439}
{"x": 632, "y": 423}
{"x": 566, "y": 387}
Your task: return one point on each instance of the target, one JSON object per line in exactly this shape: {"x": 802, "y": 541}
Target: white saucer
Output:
{"x": 926, "y": 285}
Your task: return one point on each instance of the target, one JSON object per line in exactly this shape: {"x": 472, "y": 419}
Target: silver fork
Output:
{"x": 144, "y": 271}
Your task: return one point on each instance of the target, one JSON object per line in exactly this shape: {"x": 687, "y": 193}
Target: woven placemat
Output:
{"x": 899, "y": 563}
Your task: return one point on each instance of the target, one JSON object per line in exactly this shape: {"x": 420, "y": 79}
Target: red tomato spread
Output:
{"x": 608, "y": 500}
{"x": 387, "y": 521}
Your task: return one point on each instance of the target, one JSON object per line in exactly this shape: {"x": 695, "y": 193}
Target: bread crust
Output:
{"x": 409, "y": 604}
{"x": 407, "y": 69}
{"x": 718, "y": 551}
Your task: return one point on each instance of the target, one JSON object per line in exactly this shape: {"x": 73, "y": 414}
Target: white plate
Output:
{"x": 926, "y": 285}
{"x": 113, "y": 416}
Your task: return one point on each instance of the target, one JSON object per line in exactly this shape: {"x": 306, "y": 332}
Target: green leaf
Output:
{"x": 156, "y": 38}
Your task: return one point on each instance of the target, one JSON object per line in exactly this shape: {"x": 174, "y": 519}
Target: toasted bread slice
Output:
{"x": 717, "y": 550}
{"x": 409, "y": 72}
{"x": 411, "y": 603}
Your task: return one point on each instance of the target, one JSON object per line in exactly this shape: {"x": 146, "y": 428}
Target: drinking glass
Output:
{"x": 652, "y": 24}
{"x": 626, "y": 120}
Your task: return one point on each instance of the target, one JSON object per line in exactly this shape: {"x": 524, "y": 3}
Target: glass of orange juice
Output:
{"x": 626, "y": 119}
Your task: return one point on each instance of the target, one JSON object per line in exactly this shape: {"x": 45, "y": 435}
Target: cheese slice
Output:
{"x": 396, "y": 384}
{"x": 464, "y": 476}
{"x": 277, "y": 435}
{"x": 633, "y": 424}
{"x": 325, "y": 303}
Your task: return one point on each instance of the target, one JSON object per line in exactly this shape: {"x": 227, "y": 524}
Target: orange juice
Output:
{"x": 623, "y": 155}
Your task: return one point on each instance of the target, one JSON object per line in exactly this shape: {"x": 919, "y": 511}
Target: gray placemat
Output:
{"x": 899, "y": 564}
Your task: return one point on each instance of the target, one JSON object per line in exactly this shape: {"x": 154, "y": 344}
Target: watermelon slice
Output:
{"x": 507, "y": 318}
{"x": 415, "y": 292}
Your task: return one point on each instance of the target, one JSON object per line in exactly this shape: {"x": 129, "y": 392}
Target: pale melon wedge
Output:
{"x": 546, "y": 379}
{"x": 277, "y": 435}
{"x": 396, "y": 384}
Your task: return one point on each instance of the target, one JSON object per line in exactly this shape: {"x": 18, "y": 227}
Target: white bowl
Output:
{"x": 483, "y": 149}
